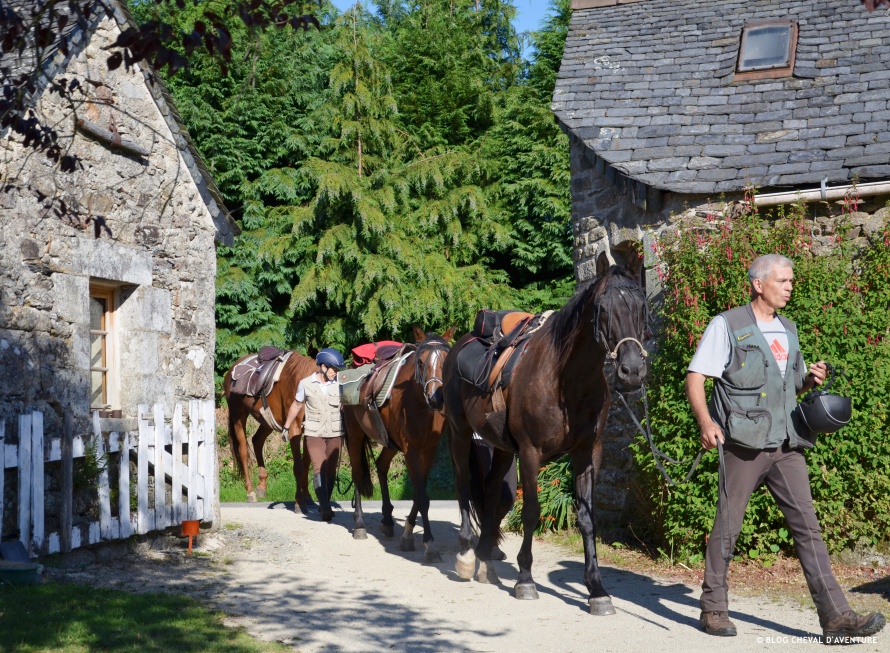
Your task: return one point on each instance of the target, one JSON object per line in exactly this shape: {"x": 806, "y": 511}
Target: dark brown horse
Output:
{"x": 557, "y": 403}
{"x": 415, "y": 423}
{"x": 296, "y": 368}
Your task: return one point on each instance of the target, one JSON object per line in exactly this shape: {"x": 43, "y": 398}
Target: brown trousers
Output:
{"x": 784, "y": 471}
{"x": 325, "y": 454}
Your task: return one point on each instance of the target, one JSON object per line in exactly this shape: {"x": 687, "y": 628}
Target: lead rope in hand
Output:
{"x": 657, "y": 454}
{"x": 723, "y": 509}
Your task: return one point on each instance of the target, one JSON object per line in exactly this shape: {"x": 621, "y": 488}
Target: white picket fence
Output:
{"x": 187, "y": 468}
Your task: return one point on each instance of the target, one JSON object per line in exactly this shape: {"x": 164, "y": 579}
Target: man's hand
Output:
{"x": 711, "y": 434}
{"x": 818, "y": 371}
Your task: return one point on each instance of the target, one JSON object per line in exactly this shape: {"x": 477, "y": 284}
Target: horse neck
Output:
{"x": 586, "y": 356}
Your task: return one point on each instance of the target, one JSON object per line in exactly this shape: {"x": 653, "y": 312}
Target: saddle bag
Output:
{"x": 351, "y": 383}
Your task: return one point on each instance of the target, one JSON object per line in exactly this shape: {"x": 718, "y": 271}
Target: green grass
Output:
{"x": 75, "y": 618}
{"x": 282, "y": 487}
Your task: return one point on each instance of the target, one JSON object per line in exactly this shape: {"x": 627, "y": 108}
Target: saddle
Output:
{"x": 488, "y": 360}
{"x": 377, "y": 386}
{"x": 371, "y": 352}
{"x": 256, "y": 375}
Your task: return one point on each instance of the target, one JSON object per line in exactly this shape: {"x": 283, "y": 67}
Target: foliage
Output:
{"x": 556, "y": 489}
{"x": 841, "y": 304}
{"x": 72, "y": 618}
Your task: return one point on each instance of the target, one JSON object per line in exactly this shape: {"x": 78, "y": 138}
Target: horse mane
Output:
{"x": 566, "y": 324}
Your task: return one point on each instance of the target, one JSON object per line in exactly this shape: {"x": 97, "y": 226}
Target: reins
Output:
{"x": 657, "y": 453}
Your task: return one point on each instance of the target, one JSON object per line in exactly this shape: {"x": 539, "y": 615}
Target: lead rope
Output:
{"x": 657, "y": 454}
{"x": 725, "y": 549}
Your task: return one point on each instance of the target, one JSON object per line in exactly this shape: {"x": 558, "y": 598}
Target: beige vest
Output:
{"x": 322, "y": 409}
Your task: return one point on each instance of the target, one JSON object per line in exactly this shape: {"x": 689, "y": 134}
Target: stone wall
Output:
{"x": 607, "y": 219}
{"x": 155, "y": 249}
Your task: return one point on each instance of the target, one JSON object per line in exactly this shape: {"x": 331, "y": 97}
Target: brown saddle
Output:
{"x": 255, "y": 376}
{"x": 374, "y": 392}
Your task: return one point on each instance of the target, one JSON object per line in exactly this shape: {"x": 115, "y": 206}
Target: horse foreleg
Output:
{"x": 585, "y": 467}
{"x": 258, "y": 440}
{"x": 529, "y": 464}
{"x": 387, "y": 525}
{"x": 419, "y": 470}
{"x": 460, "y": 443}
{"x": 301, "y": 475}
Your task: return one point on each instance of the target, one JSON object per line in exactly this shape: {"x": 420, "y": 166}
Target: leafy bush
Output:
{"x": 841, "y": 304}
{"x": 556, "y": 487}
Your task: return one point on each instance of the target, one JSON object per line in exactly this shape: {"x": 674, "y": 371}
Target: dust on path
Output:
{"x": 295, "y": 579}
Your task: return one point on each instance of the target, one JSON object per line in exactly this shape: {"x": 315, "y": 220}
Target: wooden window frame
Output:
{"x": 111, "y": 400}
{"x": 768, "y": 73}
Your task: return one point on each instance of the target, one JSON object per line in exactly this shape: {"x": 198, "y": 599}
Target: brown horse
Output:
{"x": 296, "y": 368}
{"x": 556, "y": 403}
{"x": 415, "y": 423}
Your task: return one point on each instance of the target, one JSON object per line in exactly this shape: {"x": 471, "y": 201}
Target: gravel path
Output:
{"x": 298, "y": 580}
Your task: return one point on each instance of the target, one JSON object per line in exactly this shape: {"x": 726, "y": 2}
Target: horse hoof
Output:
{"x": 497, "y": 554}
{"x": 466, "y": 565}
{"x": 251, "y": 497}
{"x": 386, "y": 529}
{"x": 601, "y": 606}
{"x": 486, "y": 573}
{"x": 432, "y": 555}
{"x": 406, "y": 544}
{"x": 525, "y": 591}
{"x": 327, "y": 515}
{"x": 359, "y": 534}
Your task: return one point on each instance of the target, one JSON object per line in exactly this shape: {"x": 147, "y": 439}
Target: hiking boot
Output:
{"x": 844, "y": 628}
{"x": 716, "y": 622}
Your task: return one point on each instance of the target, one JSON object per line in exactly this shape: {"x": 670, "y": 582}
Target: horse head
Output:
{"x": 621, "y": 318}
{"x": 428, "y": 362}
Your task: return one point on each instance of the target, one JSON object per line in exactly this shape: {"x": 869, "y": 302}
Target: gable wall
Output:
{"x": 160, "y": 254}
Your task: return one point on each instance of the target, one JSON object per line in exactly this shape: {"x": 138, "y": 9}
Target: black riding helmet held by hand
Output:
{"x": 823, "y": 412}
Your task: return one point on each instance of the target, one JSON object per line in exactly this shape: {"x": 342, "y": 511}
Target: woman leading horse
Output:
{"x": 556, "y": 403}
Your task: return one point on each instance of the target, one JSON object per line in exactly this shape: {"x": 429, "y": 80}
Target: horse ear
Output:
{"x": 635, "y": 264}
{"x": 602, "y": 264}
{"x": 448, "y": 336}
{"x": 419, "y": 335}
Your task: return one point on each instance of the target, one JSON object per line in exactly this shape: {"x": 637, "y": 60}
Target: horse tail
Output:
{"x": 477, "y": 496}
{"x": 365, "y": 486}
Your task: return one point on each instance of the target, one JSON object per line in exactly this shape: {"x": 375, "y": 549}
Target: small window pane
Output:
{"x": 97, "y": 389}
{"x": 97, "y": 313}
{"x": 765, "y": 47}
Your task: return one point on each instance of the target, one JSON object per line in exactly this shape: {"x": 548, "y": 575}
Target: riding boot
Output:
{"x": 324, "y": 504}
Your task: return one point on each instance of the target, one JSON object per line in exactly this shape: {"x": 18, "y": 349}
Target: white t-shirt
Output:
{"x": 328, "y": 387}
{"x": 715, "y": 349}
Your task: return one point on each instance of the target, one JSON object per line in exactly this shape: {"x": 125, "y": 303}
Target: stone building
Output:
{"x": 674, "y": 107}
{"x": 107, "y": 273}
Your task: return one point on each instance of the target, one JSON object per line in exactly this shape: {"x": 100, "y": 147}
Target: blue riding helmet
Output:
{"x": 330, "y": 357}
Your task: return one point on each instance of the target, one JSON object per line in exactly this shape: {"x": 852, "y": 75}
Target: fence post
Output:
{"x": 24, "y": 474}
{"x": 38, "y": 523}
{"x": 103, "y": 489}
{"x": 160, "y": 484}
{"x": 124, "y": 488}
{"x": 67, "y": 461}
{"x": 2, "y": 472}
{"x": 212, "y": 472}
{"x": 176, "y": 462}
{"x": 194, "y": 421}
{"x": 146, "y": 520}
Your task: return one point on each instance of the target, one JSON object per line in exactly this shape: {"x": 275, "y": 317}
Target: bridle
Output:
{"x": 624, "y": 290}
{"x": 436, "y": 348}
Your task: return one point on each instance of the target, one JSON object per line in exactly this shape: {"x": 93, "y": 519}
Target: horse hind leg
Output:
{"x": 258, "y": 440}
{"x": 387, "y": 524}
{"x": 407, "y": 541}
{"x": 238, "y": 439}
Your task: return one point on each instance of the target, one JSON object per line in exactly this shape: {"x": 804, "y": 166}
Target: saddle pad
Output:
{"x": 472, "y": 363}
{"x": 390, "y": 380}
{"x": 364, "y": 354}
{"x": 351, "y": 383}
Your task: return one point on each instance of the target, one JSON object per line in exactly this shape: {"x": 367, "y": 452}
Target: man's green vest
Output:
{"x": 752, "y": 402}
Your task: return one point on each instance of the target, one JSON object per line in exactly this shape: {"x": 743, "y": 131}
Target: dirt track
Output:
{"x": 297, "y": 580}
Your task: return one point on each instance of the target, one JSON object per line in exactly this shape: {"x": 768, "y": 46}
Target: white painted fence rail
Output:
{"x": 176, "y": 457}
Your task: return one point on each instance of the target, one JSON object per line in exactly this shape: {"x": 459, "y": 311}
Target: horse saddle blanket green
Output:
{"x": 256, "y": 375}
{"x": 351, "y": 383}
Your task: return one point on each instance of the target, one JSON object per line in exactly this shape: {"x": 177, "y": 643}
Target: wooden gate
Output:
{"x": 175, "y": 477}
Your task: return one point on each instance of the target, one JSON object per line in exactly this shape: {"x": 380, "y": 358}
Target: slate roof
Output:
{"x": 75, "y": 33}
{"x": 649, "y": 87}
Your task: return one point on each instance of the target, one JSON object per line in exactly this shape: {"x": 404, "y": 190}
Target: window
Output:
{"x": 102, "y": 354}
{"x": 767, "y": 50}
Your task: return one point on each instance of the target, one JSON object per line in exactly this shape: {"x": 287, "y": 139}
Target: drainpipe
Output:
{"x": 823, "y": 193}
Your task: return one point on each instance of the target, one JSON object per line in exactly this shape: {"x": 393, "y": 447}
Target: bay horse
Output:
{"x": 296, "y": 368}
{"x": 414, "y": 422}
{"x": 557, "y": 403}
